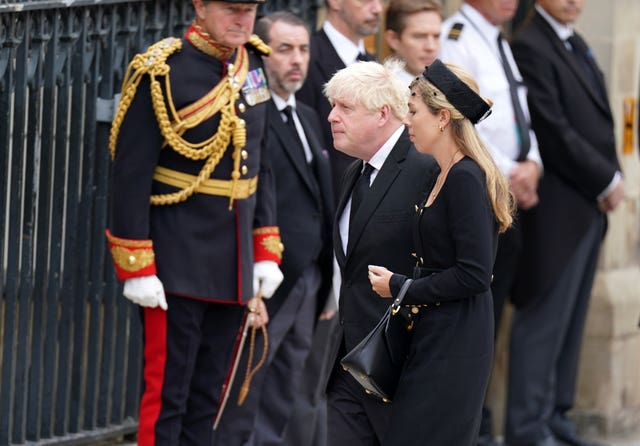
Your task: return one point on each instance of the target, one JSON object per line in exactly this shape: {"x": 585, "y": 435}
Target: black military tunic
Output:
{"x": 202, "y": 248}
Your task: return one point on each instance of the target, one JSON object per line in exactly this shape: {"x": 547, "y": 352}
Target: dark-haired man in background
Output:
{"x": 582, "y": 183}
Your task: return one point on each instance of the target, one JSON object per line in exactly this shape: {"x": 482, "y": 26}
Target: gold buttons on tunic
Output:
{"x": 244, "y": 155}
{"x": 244, "y": 170}
{"x": 242, "y": 108}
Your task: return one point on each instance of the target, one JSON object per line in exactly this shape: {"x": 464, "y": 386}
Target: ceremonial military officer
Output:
{"x": 193, "y": 231}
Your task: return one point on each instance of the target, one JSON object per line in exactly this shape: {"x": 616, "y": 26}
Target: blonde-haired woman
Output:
{"x": 439, "y": 399}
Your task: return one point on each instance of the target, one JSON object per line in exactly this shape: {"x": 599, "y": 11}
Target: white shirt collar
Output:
{"x": 484, "y": 27}
{"x": 346, "y": 49}
{"x": 381, "y": 155}
{"x": 405, "y": 76}
{"x": 564, "y": 31}
{"x": 281, "y": 103}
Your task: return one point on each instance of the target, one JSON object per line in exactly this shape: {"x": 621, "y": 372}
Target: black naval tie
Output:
{"x": 288, "y": 112}
{"x": 521, "y": 122}
{"x": 363, "y": 57}
{"x": 359, "y": 190}
{"x": 582, "y": 55}
{"x": 291, "y": 125}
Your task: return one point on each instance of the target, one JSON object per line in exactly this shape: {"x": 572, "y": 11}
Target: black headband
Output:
{"x": 463, "y": 98}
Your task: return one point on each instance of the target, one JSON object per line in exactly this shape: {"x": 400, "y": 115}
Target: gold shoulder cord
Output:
{"x": 153, "y": 63}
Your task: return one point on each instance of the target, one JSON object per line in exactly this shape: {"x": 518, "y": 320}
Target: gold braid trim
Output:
{"x": 214, "y": 148}
{"x": 132, "y": 260}
{"x": 259, "y": 44}
{"x": 153, "y": 63}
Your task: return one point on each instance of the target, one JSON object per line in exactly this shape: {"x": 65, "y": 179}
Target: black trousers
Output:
{"x": 262, "y": 418}
{"x": 353, "y": 417}
{"x": 308, "y": 423}
{"x": 504, "y": 269}
{"x": 546, "y": 339}
{"x": 187, "y": 354}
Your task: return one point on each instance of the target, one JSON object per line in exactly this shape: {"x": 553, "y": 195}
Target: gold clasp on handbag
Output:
{"x": 395, "y": 307}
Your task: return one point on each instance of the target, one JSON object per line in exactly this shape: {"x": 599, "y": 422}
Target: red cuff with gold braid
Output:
{"x": 132, "y": 258}
{"x": 267, "y": 244}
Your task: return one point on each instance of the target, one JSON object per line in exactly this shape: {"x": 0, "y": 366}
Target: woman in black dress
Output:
{"x": 439, "y": 399}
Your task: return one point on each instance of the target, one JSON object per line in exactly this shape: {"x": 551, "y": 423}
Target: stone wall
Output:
{"x": 609, "y": 381}
{"x": 608, "y": 394}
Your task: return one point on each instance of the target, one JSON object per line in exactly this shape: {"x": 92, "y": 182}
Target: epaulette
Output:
{"x": 259, "y": 45}
{"x": 455, "y": 31}
{"x": 154, "y": 59}
{"x": 153, "y": 62}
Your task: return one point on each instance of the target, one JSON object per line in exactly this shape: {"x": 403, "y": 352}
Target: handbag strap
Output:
{"x": 395, "y": 307}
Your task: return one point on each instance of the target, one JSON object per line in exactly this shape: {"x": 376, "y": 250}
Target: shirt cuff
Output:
{"x": 612, "y": 185}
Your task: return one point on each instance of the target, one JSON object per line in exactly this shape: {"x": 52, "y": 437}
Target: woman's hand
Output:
{"x": 379, "y": 276}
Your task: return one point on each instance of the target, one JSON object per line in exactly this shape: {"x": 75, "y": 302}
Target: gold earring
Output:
{"x": 441, "y": 128}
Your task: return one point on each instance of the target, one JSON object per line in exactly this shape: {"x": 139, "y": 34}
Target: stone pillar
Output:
{"x": 608, "y": 394}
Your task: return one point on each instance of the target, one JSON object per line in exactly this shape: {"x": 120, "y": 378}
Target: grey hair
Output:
{"x": 371, "y": 84}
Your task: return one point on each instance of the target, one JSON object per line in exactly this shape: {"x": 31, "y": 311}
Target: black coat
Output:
{"x": 574, "y": 127}
{"x": 382, "y": 234}
{"x": 304, "y": 200}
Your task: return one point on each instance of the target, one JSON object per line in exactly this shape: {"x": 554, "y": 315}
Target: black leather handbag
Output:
{"x": 377, "y": 361}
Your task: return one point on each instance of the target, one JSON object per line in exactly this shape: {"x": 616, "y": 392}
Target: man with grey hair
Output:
{"x": 338, "y": 44}
{"x": 377, "y": 199}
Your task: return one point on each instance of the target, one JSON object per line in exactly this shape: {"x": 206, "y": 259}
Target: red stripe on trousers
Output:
{"x": 155, "y": 359}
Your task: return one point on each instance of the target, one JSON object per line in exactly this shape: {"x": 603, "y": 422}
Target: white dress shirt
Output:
{"x": 346, "y": 49}
{"x": 281, "y": 104}
{"x": 476, "y": 50}
{"x": 376, "y": 161}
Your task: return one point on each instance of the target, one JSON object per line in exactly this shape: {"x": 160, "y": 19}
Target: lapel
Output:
{"x": 290, "y": 147}
{"x": 566, "y": 55}
{"x": 383, "y": 181}
{"x": 328, "y": 61}
{"x": 322, "y": 168}
{"x": 349, "y": 179}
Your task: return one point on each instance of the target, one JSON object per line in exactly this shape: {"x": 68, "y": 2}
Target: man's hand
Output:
{"x": 267, "y": 277}
{"x": 258, "y": 315}
{"x": 523, "y": 182}
{"x": 613, "y": 199}
{"x": 145, "y": 291}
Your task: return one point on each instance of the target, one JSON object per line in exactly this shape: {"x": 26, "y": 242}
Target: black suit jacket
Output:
{"x": 574, "y": 127}
{"x": 324, "y": 62}
{"x": 381, "y": 234}
{"x": 304, "y": 201}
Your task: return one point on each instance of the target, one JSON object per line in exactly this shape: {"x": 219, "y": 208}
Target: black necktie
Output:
{"x": 291, "y": 125}
{"x": 300, "y": 151}
{"x": 359, "y": 190}
{"x": 582, "y": 55}
{"x": 521, "y": 122}
{"x": 363, "y": 57}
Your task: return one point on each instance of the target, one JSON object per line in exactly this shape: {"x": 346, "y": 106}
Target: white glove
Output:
{"x": 145, "y": 291}
{"x": 267, "y": 274}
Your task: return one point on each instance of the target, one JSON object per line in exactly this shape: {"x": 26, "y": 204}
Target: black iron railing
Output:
{"x": 70, "y": 358}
